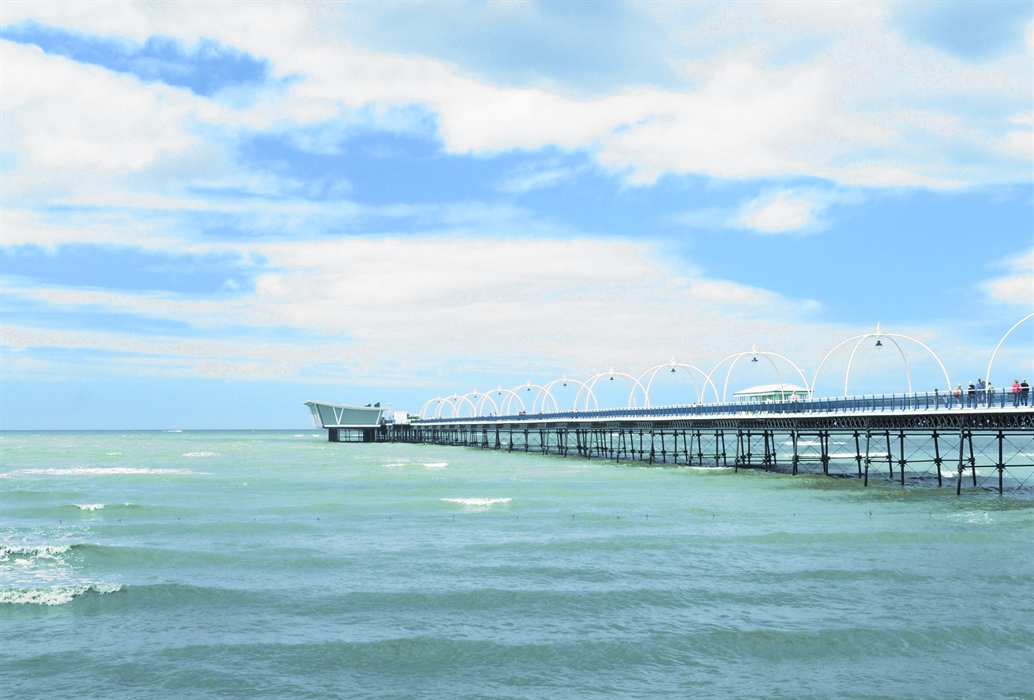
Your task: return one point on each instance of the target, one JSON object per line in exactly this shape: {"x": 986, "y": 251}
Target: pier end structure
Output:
{"x": 347, "y": 423}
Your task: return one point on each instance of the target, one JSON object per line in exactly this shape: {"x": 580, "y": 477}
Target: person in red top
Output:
{"x": 1015, "y": 393}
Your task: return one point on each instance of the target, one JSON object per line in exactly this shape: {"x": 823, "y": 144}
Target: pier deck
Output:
{"x": 907, "y": 440}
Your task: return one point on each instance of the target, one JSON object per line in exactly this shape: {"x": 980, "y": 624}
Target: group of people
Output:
{"x": 981, "y": 393}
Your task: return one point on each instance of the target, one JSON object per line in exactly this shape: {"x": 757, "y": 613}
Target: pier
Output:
{"x": 875, "y": 438}
{"x": 970, "y": 438}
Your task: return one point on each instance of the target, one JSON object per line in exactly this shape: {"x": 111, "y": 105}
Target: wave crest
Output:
{"x": 94, "y": 471}
{"x": 476, "y": 502}
{"x": 46, "y": 551}
{"x": 54, "y": 595}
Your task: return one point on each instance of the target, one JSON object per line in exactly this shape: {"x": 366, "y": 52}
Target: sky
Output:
{"x": 212, "y": 212}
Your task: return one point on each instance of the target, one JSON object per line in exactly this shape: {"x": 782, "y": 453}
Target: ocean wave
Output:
{"x": 476, "y": 502}
{"x": 54, "y": 595}
{"x": 45, "y": 551}
{"x": 89, "y": 506}
{"x": 436, "y": 465}
{"x": 112, "y": 454}
{"x": 200, "y": 454}
{"x": 91, "y": 471}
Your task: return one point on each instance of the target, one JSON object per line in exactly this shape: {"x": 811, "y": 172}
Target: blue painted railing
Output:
{"x": 850, "y": 404}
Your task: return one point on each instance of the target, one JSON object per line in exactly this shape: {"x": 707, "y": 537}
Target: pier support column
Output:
{"x": 962, "y": 447}
{"x": 901, "y": 453}
{"x": 868, "y": 441}
{"x": 1001, "y": 462}
{"x": 858, "y": 454}
{"x": 794, "y": 436}
{"x": 972, "y": 459}
{"x": 890, "y": 455}
{"x": 937, "y": 461}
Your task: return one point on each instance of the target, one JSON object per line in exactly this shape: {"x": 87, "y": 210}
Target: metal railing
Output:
{"x": 930, "y": 401}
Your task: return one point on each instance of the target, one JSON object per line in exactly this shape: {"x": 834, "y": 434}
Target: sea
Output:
{"x": 273, "y": 564}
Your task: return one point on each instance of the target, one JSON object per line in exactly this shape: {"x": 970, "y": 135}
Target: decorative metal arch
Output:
{"x": 454, "y": 402}
{"x": 630, "y": 380}
{"x": 485, "y": 396}
{"x": 880, "y": 333}
{"x": 528, "y": 386}
{"x": 754, "y": 351}
{"x": 701, "y": 398}
{"x": 582, "y": 386}
{"x": 987, "y": 377}
{"x": 504, "y": 406}
{"x": 423, "y": 409}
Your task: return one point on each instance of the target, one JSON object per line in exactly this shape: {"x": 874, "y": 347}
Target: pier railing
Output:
{"x": 929, "y": 401}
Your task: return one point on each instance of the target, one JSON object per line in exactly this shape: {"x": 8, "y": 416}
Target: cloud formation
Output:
{"x": 1018, "y": 287}
{"x": 858, "y": 112}
{"x": 405, "y": 211}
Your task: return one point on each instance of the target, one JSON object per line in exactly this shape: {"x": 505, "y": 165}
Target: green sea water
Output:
{"x": 277, "y": 565}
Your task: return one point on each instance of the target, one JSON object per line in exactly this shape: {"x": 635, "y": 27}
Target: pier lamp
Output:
{"x": 755, "y": 360}
{"x": 879, "y": 344}
{"x": 673, "y": 370}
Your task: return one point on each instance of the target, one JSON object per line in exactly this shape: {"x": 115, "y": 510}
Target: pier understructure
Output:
{"x": 986, "y": 449}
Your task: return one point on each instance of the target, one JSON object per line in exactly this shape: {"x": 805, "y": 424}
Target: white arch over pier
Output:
{"x": 879, "y": 333}
{"x": 987, "y": 377}
{"x": 582, "y": 386}
{"x": 631, "y": 381}
{"x": 675, "y": 366}
{"x": 755, "y": 352}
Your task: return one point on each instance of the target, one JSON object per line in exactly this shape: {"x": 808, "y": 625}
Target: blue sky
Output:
{"x": 212, "y": 212}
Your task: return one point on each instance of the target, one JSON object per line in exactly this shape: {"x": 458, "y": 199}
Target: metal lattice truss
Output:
{"x": 964, "y": 452}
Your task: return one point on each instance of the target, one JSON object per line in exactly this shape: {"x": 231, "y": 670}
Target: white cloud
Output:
{"x": 778, "y": 214}
{"x": 855, "y": 112}
{"x": 1016, "y": 288}
{"x": 62, "y": 114}
{"x": 446, "y": 297}
{"x": 531, "y": 176}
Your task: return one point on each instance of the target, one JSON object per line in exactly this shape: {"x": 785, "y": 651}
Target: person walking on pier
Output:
{"x": 981, "y": 394}
{"x": 990, "y": 395}
{"x": 1015, "y": 393}
{"x": 957, "y": 395}
{"x": 971, "y": 395}
{"x": 1024, "y": 392}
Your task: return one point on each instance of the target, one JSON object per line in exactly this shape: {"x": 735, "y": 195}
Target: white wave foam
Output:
{"x": 92, "y": 471}
{"x": 200, "y": 454}
{"x": 174, "y": 431}
{"x": 476, "y": 502}
{"x": 112, "y": 454}
{"x": 973, "y": 517}
{"x": 436, "y": 465}
{"x": 54, "y": 595}
{"x": 45, "y": 551}
{"x": 89, "y": 506}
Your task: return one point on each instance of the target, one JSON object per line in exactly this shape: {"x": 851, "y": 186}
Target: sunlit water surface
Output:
{"x": 274, "y": 564}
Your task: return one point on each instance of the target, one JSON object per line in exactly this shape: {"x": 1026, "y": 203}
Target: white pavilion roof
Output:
{"x": 762, "y": 389}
